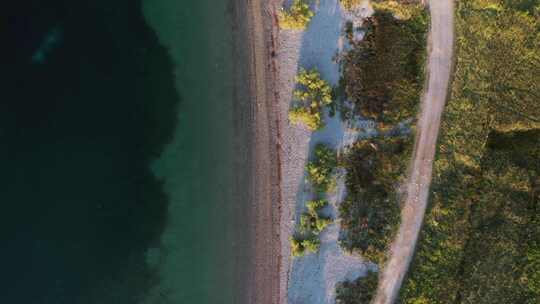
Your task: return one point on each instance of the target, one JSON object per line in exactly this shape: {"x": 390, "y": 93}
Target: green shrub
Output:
{"x": 370, "y": 214}
{"x": 302, "y": 115}
{"x": 310, "y": 98}
{"x": 349, "y": 4}
{"x": 301, "y": 247}
{"x": 311, "y": 245}
{"x": 316, "y": 206}
{"x": 402, "y": 9}
{"x": 383, "y": 73}
{"x": 297, "y": 17}
{"x": 296, "y": 247}
{"x": 320, "y": 170}
{"x": 360, "y": 291}
{"x": 312, "y": 222}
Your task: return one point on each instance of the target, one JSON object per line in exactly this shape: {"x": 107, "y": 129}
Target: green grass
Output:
{"x": 481, "y": 237}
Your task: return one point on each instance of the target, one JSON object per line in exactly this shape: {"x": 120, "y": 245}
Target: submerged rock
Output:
{"x": 51, "y": 40}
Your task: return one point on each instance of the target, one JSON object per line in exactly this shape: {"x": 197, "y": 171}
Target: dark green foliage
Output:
{"x": 360, "y": 291}
{"x": 481, "y": 237}
{"x": 383, "y": 73}
{"x": 371, "y": 212}
{"x": 529, "y": 6}
{"x": 383, "y": 77}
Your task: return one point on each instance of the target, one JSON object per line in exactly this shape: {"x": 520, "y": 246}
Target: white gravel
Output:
{"x": 312, "y": 279}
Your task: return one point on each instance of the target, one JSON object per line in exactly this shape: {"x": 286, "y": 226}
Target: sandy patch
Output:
{"x": 311, "y": 279}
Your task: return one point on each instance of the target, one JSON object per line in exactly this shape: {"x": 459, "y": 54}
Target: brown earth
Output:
{"x": 258, "y": 273}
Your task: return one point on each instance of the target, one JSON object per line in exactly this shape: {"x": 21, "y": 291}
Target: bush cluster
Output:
{"x": 297, "y": 17}
{"x": 320, "y": 171}
{"x": 401, "y": 9}
{"x": 360, "y": 291}
{"x": 311, "y": 96}
{"x": 349, "y": 4}
{"x": 383, "y": 73}
{"x": 312, "y": 221}
{"x": 303, "y": 246}
{"x": 383, "y": 77}
{"x": 370, "y": 214}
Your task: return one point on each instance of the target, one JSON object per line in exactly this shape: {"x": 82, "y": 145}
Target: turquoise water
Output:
{"x": 198, "y": 261}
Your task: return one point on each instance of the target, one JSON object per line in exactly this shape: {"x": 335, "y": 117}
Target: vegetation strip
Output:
{"x": 311, "y": 96}
{"x": 320, "y": 173}
{"x": 481, "y": 237}
{"x": 382, "y": 79}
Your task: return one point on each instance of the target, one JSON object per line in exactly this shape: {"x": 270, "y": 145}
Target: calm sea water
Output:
{"x": 116, "y": 147}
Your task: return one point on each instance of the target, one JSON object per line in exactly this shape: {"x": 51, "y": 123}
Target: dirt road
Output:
{"x": 439, "y": 66}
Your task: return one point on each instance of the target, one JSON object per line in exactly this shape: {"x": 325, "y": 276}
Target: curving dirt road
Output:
{"x": 441, "y": 39}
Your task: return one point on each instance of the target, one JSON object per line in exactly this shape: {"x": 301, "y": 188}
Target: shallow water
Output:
{"x": 198, "y": 261}
{"x": 116, "y": 152}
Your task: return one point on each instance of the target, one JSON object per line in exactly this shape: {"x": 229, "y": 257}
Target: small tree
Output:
{"x": 312, "y": 95}
{"x": 311, "y": 245}
{"x": 321, "y": 169}
{"x": 301, "y": 247}
{"x": 296, "y": 247}
{"x": 349, "y": 4}
{"x": 312, "y": 222}
{"x": 401, "y": 9}
{"x": 315, "y": 206}
{"x": 297, "y": 17}
{"x": 321, "y": 223}
{"x": 302, "y": 115}
{"x": 360, "y": 291}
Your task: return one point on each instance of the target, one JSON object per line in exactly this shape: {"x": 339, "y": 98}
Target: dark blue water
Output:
{"x": 87, "y": 103}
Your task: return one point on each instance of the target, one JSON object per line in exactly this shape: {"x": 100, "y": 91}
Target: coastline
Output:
{"x": 258, "y": 268}
{"x": 197, "y": 255}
